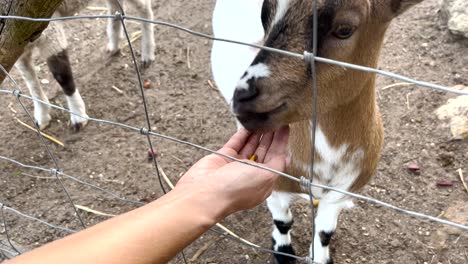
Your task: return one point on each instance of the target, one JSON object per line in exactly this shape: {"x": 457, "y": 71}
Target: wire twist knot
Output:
{"x": 306, "y": 184}
{"x": 54, "y": 172}
{"x": 119, "y": 16}
{"x": 309, "y": 57}
{"x": 16, "y": 93}
{"x": 144, "y": 131}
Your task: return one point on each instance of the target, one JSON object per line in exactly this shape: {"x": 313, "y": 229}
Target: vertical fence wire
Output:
{"x": 311, "y": 59}
{"x": 7, "y": 234}
{"x": 143, "y": 131}
{"x": 313, "y": 122}
{"x": 17, "y": 94}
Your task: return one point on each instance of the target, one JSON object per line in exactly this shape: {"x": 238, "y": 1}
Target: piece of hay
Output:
{"x": 89, "y": 210}
{"x": 51, "y": 138}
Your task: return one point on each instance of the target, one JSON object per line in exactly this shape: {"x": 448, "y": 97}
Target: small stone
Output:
{"x": 152, "y": 154}
{"x": 414, "y": 168}
{"x": 45, "y": 81}
{"x": 444, "y": 183}
{"x": 147, "y": 84}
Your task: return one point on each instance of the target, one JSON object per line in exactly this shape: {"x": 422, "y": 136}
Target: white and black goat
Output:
{"x": 273, "y": 90}
{"x": 52, "y": 45}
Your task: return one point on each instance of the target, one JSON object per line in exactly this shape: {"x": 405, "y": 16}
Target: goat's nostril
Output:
{"x": 243, "y": 95}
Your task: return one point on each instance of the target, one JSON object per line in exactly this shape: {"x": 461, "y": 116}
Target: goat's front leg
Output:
{"x": 59, "y": 65}
{"x": 145, "y": 10}
{"x": 26, "y": 67}
{"x": 114, "y": 27}
{"x": 278, "y": 204}
{"x": 325, "y": 226}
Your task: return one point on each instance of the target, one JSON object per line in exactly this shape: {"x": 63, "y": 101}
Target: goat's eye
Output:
{"x": 344, "y": 31}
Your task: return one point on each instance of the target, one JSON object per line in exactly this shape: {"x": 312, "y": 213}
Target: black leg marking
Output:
{"x": 282, "y": 226}
{"x": 59, "y": 65}
{"x": 325, "y": 237}
{"x": 330, "y": 261}
{"x": 281, "y": 259}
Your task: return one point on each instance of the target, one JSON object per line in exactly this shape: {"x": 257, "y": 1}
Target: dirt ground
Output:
{"x": 183, "y": 105}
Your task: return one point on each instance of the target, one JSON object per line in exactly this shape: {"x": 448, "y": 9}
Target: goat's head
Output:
{"x": 277, "y": 90}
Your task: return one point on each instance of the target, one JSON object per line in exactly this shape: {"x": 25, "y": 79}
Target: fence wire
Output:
{"x": 282, "y": 52}
{"x": 308, "y": 57}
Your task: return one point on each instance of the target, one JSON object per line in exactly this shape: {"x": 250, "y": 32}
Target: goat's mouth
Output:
{"x": 262, "y": 121}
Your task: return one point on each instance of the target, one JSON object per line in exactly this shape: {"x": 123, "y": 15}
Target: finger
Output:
{"x": 263, "y": 146}
{"x": 278, "y": 146}
{"x": 249, "y": 149}
{"x": 237, "y": 141}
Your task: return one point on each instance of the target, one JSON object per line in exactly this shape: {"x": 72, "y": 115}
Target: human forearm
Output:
{"x": 154, "y": 233}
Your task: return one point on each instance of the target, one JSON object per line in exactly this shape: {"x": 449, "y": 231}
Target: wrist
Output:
{"x": 210, "y": 207}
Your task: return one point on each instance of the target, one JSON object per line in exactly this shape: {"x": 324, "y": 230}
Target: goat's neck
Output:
{"x": 355, "y": 124}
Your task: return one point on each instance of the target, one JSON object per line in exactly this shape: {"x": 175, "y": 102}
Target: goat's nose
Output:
{"x": 244, "y": 95}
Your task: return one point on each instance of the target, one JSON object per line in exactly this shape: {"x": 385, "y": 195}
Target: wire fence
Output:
{"x": 147, "y": 131}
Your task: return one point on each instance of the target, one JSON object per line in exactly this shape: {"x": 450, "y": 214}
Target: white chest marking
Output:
{"x": 335, "y": 168}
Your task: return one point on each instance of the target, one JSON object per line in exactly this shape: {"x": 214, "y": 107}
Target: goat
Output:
{"x": 276, "y": 90}
{"x": 52, "y": 45}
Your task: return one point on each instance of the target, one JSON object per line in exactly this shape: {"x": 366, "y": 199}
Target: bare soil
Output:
{"x": 183, "y": 105}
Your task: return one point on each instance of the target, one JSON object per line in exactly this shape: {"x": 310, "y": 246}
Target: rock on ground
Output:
{"x": 455, "y": 111}
{"x": 456, "y": 14}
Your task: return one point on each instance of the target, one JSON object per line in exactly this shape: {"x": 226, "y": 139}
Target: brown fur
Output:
{"x": 347, "y": 110}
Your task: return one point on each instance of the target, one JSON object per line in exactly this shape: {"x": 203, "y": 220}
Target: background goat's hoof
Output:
{"x": 43, "y": 122}
{"x": 78, "y": 123}
{"x": 112, "y": 50}
{"x": 146, "y": 61}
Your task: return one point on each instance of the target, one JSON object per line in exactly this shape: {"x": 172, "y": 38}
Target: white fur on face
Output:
{"x": 229, "y": 61}
{"x": 259, "y": 70}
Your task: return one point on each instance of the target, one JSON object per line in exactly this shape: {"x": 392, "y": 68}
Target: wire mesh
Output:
{"x": 310, "y": 58}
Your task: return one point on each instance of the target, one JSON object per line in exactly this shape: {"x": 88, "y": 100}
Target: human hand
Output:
{"x": 235, "y": 186}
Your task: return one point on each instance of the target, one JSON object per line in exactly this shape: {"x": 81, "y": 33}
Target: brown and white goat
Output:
{"x": 276, "y": 90}
{"x": 52, "y": 45}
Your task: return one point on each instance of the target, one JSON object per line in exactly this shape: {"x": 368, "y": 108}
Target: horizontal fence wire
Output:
{"x": 32, "y": 218}
{"x": 303, "y": 181}
{"x": 307, "y": 57}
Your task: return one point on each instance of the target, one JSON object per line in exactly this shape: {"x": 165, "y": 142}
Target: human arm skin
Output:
{"x": 212, "y": 189}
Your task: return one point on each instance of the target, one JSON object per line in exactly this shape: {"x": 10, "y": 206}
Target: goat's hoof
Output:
{"x": 282, "y": 259}
{"x": 145, "y": 63}
{"x": 113, "y": 51}
{"x": 329, "y": 261}
{"x": 77, "y": 127}
{"x": 78, "y": 123}
{"x": 43, "y": 122}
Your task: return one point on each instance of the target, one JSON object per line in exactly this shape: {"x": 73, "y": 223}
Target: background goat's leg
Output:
{"x": 26, "y": 67}
{"x": 278, "y": 204}
{"x": 144, "y": 10}
{"x": 114, "y": 27}
{"x": 59, "y": 65}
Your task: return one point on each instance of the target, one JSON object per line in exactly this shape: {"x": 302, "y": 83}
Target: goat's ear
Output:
{"x": 392, "y": 8}
{"x": 268, "y": 12}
